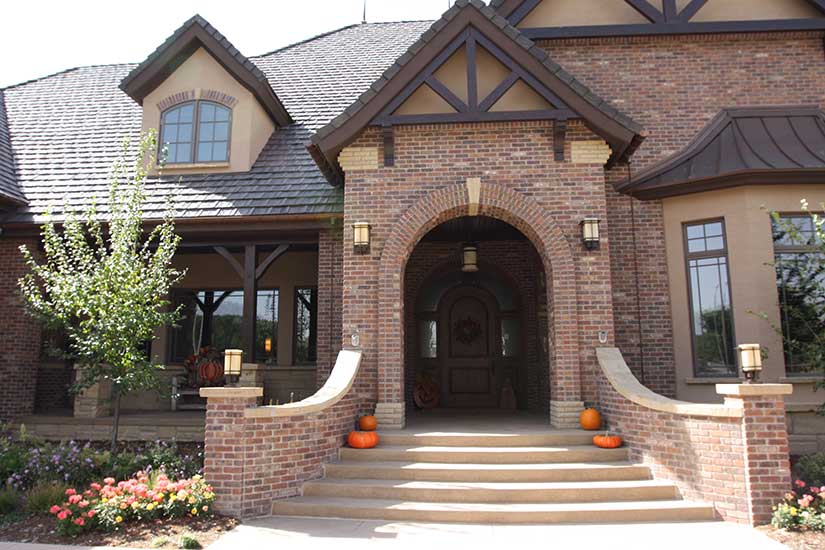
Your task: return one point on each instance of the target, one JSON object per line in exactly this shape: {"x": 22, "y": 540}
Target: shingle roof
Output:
{"x": 741, "y": 146}
{"x": 632, "y": 130}
{"x": 9, "y": 192}
{"x": 67, "y": 129}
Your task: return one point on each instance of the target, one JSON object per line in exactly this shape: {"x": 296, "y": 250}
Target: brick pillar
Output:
{"x": 95, "y": 401}
{"x": 226, "y": 445}
{"x": 765, "y": 442}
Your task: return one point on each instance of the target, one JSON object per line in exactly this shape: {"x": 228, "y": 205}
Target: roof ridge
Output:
{"x": 335, "y": 31}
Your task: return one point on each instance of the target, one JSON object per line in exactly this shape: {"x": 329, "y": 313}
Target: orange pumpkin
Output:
{"x": 590, "y": 419}
{"x": 211, "y": 371}
{"x": 367, "y": 423}
{"x": 362, "y": 440}
{"x": 607, "y": 441}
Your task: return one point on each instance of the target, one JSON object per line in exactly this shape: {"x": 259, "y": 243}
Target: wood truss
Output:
{"x": 475, "y": 109}
{"x": 665, "y": 20}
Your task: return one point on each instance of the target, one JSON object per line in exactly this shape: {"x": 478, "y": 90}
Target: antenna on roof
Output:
{"x": 364, "y": 17}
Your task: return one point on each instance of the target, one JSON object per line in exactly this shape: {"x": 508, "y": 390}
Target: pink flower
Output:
{"x": 80, "y": 521}
{"x": 109, "y": 480}
{"x": 83, "y": 503}
{"x": 54, "y": 509}
{"x": 95, "y": 486}
{"x": 63, "y": 515}
{"x": 91, "y": 513}
{"x": 814, "y": 490}
{"x": 70, "y": 492}
{"x": 74, "y": 499}
{"x": 799, "y": 483}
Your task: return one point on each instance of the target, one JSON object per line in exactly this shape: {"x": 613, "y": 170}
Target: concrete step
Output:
{"x": 485, "y": 455}
{"x": 489, "y": 493}
{"x": 462, "y": 512}
{"x": 553, "y": 438}
{"x": 433, "y": 471}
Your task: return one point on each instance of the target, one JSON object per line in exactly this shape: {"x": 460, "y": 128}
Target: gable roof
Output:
{"x": 193, "y": 34}
{"x": 67, "y": 129}
{"x": 619, "y": 130}
{"x": 9, "y": 192}
{"x": 742, "y": 146}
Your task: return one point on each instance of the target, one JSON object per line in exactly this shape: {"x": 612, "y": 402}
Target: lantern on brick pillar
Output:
{"x": 469, "y": 258}
{"x": 590, "y": 233}
{"x": 361, "y": 237}
{"x": 232, "y": 366}
{"x": 750, "y": 361}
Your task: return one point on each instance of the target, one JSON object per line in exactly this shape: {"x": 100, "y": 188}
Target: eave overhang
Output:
{"x": 198, "y": 33}
{"x": 618, "y": 130}
{"x": 782, "y": 145}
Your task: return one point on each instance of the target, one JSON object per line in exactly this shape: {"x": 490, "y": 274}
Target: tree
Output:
{"x": 801, "y": 283}
{"x": 103, "y": 282}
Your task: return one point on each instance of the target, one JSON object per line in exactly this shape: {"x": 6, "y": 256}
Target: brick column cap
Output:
{"x": 754, "y": 390}
{"x": 232, "y": 393}
{"x": 252, "y": 366}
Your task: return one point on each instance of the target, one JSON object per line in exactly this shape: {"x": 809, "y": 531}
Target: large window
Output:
{"x": 214, "y": 318}
{"x": 306, "y": 325}
{"x": 710, "y": 304}
{"x": 798, "y": 280}
{"x": 197, "y": 131}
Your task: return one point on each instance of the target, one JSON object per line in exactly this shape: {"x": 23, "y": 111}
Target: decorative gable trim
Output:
{"x": 198, "y": 33}
{"x": 473, "y": 17}
{"x": 176, "y": 99}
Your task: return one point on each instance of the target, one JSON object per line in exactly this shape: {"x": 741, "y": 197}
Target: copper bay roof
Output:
{"x": 742, "y": 146}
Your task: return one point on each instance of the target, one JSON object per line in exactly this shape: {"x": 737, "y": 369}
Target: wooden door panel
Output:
{"x": 470, "y": 380}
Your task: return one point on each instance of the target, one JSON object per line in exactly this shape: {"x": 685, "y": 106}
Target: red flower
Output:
{"x": 80, "y": 522}
{"x": 799, "y": 483}
{"x": 54, "y": 509}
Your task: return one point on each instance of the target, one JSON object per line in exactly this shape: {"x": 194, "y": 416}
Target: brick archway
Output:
{"x": 526, "y": 215}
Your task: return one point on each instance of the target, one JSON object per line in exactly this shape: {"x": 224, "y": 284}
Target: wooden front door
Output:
{"x": 468, "y": 346}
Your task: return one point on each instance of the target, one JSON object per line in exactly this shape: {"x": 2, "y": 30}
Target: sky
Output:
{"x": 41, "y": 37}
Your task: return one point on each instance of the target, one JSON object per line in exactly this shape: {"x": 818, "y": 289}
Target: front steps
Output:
{"x": 532, "y": 477}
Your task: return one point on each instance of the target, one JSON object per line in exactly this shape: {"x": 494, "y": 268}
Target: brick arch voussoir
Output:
{"x": 499, "y": 202}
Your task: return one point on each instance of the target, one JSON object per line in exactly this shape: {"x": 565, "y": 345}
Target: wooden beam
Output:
{"x": 522, "y": 11}
{"x": 446, "y": 94}
{"x": 559, "y": 138}
{"x": 671, "y": 12}
{"x": 389, "y": 146}
{"x": 499, "y": 91}
{"x": 818, "y": 4}
{"x": 472, "y": 74}
{"x": 250, "y": 302}
{"x": 690, "y": 10}
{"x": 497, "y": 116}
{"x": 264, "y": 265}
{"x": 647, "y": 10}
{"x": 236, "y": 265}
{"x": 680, "y": 28}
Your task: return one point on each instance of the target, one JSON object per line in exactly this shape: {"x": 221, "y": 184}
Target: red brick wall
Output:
{"x": 673, "y": 86}
{"x": 19, "y": 335}
{"x": 521, "y": 184}
{"x": 516, "y": 263}
{"x": 330, "y": 278}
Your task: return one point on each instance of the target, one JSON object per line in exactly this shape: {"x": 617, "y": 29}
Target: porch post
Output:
{"x": 250, "y": 302}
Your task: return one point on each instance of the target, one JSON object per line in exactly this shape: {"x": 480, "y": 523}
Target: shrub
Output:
{"x": 189, "y": 541}
{"x": 811, "y": 469}
{"x": 9, "y": 501}
{"x": 802, "y": 509}
{"x": 42, "y": 496}
{"x": 143, "y": 497}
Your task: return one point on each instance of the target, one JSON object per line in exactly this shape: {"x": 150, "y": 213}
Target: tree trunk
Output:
{"x": 115, "y": 420}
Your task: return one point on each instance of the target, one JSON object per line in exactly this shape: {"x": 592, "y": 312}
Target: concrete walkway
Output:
{"x": 305, "y": 533}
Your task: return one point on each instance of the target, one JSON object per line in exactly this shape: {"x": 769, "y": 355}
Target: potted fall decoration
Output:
{"x": 607, "y": 441}
{"x": 204, "y": 368}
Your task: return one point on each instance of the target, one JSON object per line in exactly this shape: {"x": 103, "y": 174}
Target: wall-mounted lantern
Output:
{"x": 750, "y": 361}
{"x": 361, "y": 237}
{"x": 469, "y": 258}
{"x": 268, "y": 345}
{"x": 590, "y": 233}
{"x": 232, "y": 366}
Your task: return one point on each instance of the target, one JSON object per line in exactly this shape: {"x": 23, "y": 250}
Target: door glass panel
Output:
{"x": 510, "y": 337}
{"x": 428, "y": 339}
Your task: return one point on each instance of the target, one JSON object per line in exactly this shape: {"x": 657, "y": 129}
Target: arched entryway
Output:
{"x": 478, "y": 198}
{"x": 476, "y": 336}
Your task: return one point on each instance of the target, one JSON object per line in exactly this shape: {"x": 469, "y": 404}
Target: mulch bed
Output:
{"x": 795, "y": 540}
{"x": 41, "y": 529}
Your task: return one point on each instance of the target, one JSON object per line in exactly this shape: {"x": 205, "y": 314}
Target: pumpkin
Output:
{"x": 427, "y": 394}
{"x": 607, "y": 441}
{"x": 211, "y": 371}
{"x": 362, "y": 440}
{"x": 368, "y": 423}
{"x": 590, "y": 419}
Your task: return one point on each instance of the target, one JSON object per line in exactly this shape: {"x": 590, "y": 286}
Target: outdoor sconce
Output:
{"x": 232, "y": 366}
{"x": 268, "y": 345}
{"x": 750, "y": 360}
{"x": 361, "y": 237}
{"x": 590, "y": 233}
{"x": 469, "y": 258}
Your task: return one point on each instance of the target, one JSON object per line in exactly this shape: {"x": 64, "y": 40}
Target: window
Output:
{"x": 428, "y": 338}
{"x": 306, "y": 324}
{"x": 183, "y": 145}
{"x": 214, "y": 318}
{"x": 799, "y": 279}
{"x": 710, "y": 304}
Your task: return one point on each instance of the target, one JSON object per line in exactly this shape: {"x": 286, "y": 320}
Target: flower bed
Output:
{"x": 140, "y": 498}
{"x": 803, "y": 509}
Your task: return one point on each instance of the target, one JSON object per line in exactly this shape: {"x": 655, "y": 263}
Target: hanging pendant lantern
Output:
{"x": 469, "y": 258}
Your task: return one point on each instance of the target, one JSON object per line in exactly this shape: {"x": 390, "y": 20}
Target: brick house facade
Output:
{"x": 498, "y": 128}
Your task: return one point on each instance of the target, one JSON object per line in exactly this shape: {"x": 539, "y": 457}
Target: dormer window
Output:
{"x": 208, "y": 143}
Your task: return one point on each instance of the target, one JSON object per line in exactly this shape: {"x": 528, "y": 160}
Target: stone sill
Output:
{"x": 801, "y": 379}
{"x": 194, "y": 166}
{"x": 712, "y": 381}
